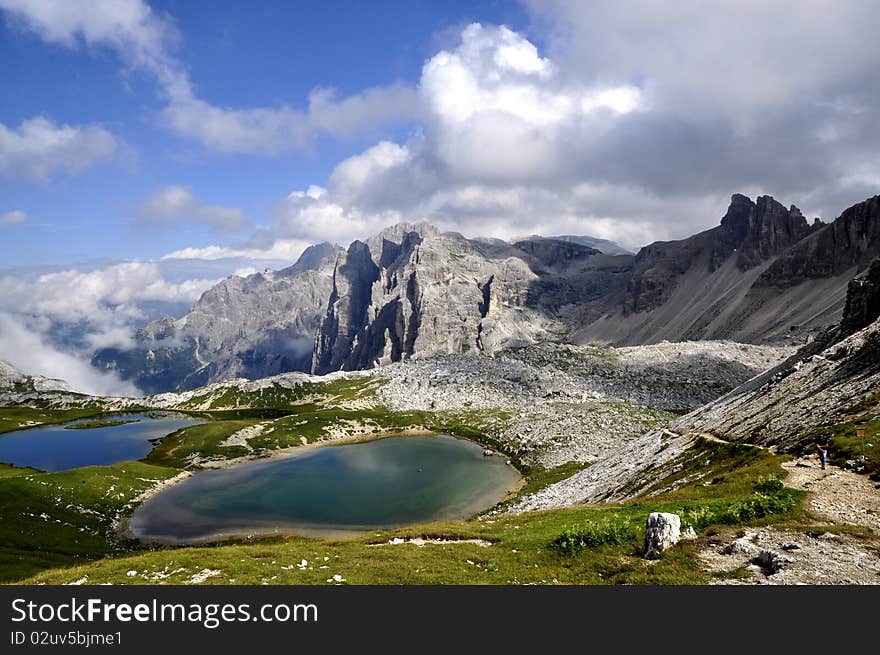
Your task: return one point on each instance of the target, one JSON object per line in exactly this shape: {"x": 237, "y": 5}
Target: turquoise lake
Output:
{"x": 330, "y": 490}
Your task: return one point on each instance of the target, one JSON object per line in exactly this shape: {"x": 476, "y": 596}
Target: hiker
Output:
{"x": 822, "y": 446}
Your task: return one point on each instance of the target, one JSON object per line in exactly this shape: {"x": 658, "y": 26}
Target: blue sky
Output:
{"x": 150, "y": 148}
{"x": 269, "y": 55}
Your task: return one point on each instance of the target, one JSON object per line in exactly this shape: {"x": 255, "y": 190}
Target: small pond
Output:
{"x": 58, "y": 447}
{"x": 330, "y": 490}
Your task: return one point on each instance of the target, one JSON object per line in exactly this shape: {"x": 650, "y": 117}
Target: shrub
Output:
{"x": 741, "y": 511}
{"x": 768, "y": 484}
{"x": 594, "y": 533}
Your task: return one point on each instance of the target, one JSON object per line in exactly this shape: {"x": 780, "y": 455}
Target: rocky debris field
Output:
{"x": 813, "y": 556}
{"x": 611, "y": 478}
{"x": 554, "y": 403}
{"x": 549, "y": 403}
{"x": 780, "y": 557}
{"x": 783, "y": 406}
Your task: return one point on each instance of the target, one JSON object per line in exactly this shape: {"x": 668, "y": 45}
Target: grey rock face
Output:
{"x": 662, "y": 532}
{"x": 251, "y": 326}
{"x": 824, "y": 381}
{"x": 850, "y": 243}
{"x": 757, "y": 231}
{"x": 763, "y": 276}
{"x": 420, "y": 293}
{"x": 862, "y": 300}
{"x": 602, "y": 245}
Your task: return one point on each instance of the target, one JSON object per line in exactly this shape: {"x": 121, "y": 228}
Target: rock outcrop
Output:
{"x": 420, "y": 292}
{"x": 251, "y": 326}
{"x": 662, "y": 532}
{"x": 13, "y": 380}
{"x": 845, "y": 246}
{"x": 862, "y": 300}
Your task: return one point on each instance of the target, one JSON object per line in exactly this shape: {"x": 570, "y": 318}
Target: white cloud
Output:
{"x": 287, "y": 250}
{"x": 501, "y": 149}
{"x": 12, "y": 217}
{"x": 315, "y": 216}
{"x": 632, "y": 141}
{"x": 142, "y": 38}
{"x": 128, "y": 26}
{"x": 272, "y": 130}
{"x": 106, "y": 297}
{"x": 175, "y": 204}
{"x": 25, "y": 348}
{"x": 39, "y": 148}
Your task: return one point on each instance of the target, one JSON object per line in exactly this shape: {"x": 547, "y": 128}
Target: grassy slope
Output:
{"x": 59, "y": 519}
{"x": 15, "y": 418}
{"x": 521, "y": 550}
{"x": 93, "y": 425}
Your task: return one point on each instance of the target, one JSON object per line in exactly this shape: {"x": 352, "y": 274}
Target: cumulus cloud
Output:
{"x": 26, "y": 349}
{"x": 615, "y": 133}
{"x": 175, "y": 204}
{"x": 501, "y": 154}
{"x": 12, "y": 217}
{"x": 39, "y": 148}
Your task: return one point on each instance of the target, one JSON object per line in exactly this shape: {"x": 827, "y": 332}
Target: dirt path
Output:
{"x": 708, "y": 436}
{"x": 836, "y": 494}
{"x": 837, "y": 497}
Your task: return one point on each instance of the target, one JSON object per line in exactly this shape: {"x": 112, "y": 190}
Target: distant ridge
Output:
{"x": 763, "y": 275}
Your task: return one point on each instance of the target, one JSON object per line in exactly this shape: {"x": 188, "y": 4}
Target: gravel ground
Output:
{"x": 837, "y": 497}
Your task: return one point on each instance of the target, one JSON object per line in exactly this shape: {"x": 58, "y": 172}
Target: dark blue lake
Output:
{"x": 335, "y": 489}
{"x": 54, "y": 448}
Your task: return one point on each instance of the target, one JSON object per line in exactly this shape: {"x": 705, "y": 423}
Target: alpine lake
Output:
{"x": 332, "y": 490}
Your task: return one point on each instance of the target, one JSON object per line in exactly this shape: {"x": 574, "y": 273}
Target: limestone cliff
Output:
{"x": 250, "y": 326}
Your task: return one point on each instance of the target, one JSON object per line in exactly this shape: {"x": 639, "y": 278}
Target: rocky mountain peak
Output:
{"x": 312, "y": 258}
{"x": 845, "y": 246}
{"x": 862, "y": 300}
{"x": 386, "y": 245}
{"x": 757, "y": 230}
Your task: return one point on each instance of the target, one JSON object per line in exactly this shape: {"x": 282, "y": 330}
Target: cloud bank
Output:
{"x": 46, "y": 317}
{"x": 28, "y": 351}
{"x": 173, "y": 205}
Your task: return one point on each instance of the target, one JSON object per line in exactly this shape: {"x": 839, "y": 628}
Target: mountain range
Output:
{"x": 764, "y": 275}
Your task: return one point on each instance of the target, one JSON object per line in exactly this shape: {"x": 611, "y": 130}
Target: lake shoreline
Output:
{"x": 122, "y": 527}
